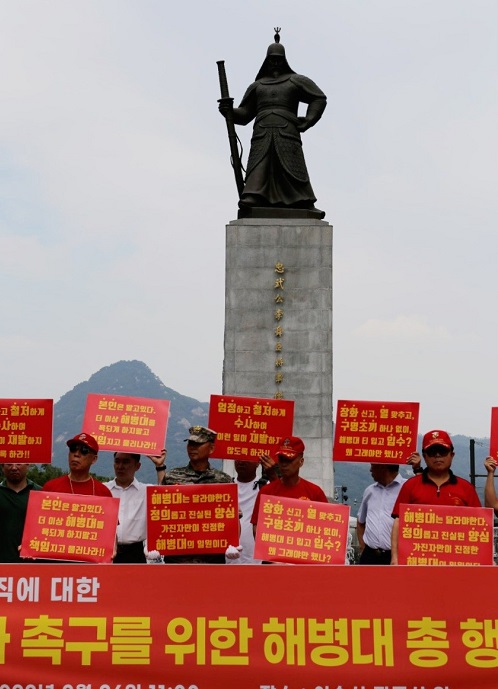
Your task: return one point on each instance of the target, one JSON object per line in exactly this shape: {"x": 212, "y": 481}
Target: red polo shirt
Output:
{"x": 421, "y": 490}
{"x": 303, "y": 490}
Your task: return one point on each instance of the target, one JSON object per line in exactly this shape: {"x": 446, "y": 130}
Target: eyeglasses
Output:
{"x": 83, "y": 449}
{"x": 437, "y": 450}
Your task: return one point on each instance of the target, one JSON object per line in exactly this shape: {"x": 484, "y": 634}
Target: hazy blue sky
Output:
{"x": 115, "y": 189}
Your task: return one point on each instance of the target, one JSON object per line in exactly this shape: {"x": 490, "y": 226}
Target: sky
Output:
{"x": 116, "y": 187}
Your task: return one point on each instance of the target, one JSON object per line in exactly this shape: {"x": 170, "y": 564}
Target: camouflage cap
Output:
{"x": 200, "y": 434}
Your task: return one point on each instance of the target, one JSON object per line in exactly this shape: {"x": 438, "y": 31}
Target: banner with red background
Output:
{"x": 445, "y": 535}
{"x": 247, "y": 427}
{"x": 26, "y": 431}
{"x": 128, "y": 424}
{"x": 377, "y": 432}
{"x": 212, "y": 626}
{"x": 493, "y": 439}
{"x": 192, "y": 519}
{"x": 301, "y": 531}
{"x": 70, "y": 527}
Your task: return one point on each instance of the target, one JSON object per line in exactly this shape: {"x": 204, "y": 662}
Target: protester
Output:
{"x": 374, "y": 521}
{"x": 290, "y": 459}
{"x": 200, "y": 446}
{"x": 132, "y": 519}
{"x": 14, "y": 494}
{"x": 83, "y": 453}
{"x": 490, "y": 499}
{"x": 436, "y": 485}
{"x": 247, "y": 490}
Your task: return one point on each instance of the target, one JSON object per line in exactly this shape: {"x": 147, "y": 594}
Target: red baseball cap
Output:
{"x": 84, "y": 439}
{"x": 436, "y": 438}
{"x": 290, "y": 447}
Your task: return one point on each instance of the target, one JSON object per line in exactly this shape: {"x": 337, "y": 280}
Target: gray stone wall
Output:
{"x": 279, "y": 275}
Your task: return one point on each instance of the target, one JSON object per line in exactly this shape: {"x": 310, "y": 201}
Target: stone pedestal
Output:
{"x": 278, "y": 326}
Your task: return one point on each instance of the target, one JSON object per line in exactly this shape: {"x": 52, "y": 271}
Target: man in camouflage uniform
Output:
{"x": 200, "y": 446}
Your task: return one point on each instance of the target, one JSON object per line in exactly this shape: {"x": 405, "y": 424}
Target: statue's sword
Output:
{"x": 232, "y": 136}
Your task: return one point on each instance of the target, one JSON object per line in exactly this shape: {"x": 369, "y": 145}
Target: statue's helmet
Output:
{"x": 276, "y": 49}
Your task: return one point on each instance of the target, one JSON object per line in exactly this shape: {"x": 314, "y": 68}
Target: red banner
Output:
{"x": 26, "y": 431}
{"x": 127, "y": 424}
{"x": 493, "y": 440}
{"x": 70, "y": 527}
{"x": 248, "y": 427}
{"x": 445, "y": 535}
{"x": 377, "y": 432}
{"x": 212, "y": 626}
{"x": 301, "y": 531}
{"x": 192, "y": 519}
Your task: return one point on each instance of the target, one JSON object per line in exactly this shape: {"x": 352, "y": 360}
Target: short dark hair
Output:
{"x": 132, "y": 455}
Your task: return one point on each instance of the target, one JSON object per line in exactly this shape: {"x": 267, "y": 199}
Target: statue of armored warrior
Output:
{"x": 276, "y": 174}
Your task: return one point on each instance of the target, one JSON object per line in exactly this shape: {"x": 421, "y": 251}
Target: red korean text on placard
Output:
{"x": 248, "y": 427}
{"x": 192, "y": 519}
{"x": 376, "y": 432}
{"x": 128, "y": 424}
{"x": 26, "y": 431}
{"x": 445, "y": 535}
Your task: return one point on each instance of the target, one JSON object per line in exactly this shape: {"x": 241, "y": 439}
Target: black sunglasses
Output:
{"x": 437, "y": 450}
{"x": 84, "y": 450}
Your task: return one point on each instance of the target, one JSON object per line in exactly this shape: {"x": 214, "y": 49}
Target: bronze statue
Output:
{"x": 276, "y": 175}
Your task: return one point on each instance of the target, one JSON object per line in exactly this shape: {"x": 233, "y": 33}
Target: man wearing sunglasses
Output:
{"x": 436, "y": 485}
{"x": 83, "y": 453}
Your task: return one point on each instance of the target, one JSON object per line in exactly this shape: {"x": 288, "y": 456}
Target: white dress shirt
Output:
{"x": 132, "y": 526}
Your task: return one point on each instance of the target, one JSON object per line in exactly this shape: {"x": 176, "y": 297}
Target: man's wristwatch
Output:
{"x": 161, "y": 468}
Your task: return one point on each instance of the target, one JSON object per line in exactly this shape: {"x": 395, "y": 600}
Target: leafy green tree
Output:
{"x": 45, "y": 472}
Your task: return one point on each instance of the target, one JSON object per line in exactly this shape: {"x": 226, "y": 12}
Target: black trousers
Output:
{"x": 375, "y": 556}
{"x": 129, "y": 553}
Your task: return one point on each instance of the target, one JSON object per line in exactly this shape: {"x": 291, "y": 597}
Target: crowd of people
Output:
{"x": 378, "y": 515}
